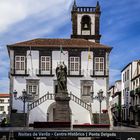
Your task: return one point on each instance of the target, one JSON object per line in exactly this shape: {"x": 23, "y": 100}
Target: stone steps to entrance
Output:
{"x": 17, "y": 119}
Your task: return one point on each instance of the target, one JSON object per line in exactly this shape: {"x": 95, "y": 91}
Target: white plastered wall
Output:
{"x": 33, "y": 62}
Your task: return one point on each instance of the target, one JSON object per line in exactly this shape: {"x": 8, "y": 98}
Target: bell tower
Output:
{"x": 86, "y": 22}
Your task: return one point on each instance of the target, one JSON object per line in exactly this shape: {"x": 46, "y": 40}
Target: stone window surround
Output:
{"x": 16, "y": 54}
{"x": 31, "y": 85}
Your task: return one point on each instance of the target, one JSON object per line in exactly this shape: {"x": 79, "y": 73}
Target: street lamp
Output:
{"x": 24, "y": 98}
{"x": 99, "y": 98}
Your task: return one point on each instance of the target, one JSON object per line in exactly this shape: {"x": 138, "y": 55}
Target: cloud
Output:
{"x": 27, "y": 19}
{"x": 14, "y": 11}
{"x": 40, "y": 19}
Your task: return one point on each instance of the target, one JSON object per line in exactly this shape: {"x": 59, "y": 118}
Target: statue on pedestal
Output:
{"x": 61, "y": 73}
{"x": 62, "y": 109}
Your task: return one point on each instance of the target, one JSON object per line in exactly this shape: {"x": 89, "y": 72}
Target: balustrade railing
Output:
{"x": 34, "y": 104}
{"x": 86, "y": 9}
{"x": 80, "y": 102}
{"x": 49, "y": 96}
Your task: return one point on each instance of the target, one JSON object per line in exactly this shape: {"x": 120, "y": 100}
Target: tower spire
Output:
{"x": 97, "y": 7}
{"x": 74, "y": 8}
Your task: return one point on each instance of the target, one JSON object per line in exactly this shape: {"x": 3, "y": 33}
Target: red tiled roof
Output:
{"x": 4, "y": 95}
{"x": 68, "y": 43}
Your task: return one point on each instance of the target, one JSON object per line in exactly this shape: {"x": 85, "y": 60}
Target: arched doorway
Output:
{"x": 51, "y": 112}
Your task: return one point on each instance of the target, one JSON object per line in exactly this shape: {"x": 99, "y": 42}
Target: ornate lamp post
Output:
{"x": 99, "y": 98}
{"x": 24, "y": 98}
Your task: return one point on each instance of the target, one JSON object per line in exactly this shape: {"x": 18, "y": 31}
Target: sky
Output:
{"x": 22, "y": 20}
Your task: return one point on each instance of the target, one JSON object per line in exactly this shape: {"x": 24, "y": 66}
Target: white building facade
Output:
{"x": 135, "y": 95}
{"x": 130, "y": 99}
{"x": 115, "y": 101}
{"x": 33, "y": 64}
{"x": 4, "y": 104}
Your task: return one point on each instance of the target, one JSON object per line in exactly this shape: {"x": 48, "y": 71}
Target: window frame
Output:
{"x": 1, "y": 100}
{"x": 1, "y": 108}
{"x": 87, "y": 87}
{"x": 32, "y": 88}
{"x": 128, "y": 74}
{"x": 20, "y": 65}
{"x": 99, "y": 65}
{"x": 74, "y": 67}
{"x": 30, "y": 84}
{"x": 46, "y": 64}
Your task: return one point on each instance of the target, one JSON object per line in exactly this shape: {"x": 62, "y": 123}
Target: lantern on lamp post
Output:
{"x": 24, "y": 98}
{"x": 99, "y": 98}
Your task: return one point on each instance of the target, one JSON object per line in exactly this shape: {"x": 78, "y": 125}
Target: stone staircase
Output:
{"x": 80, "y": 102}
{"x": 104, "y": 118}
{"x": 49, "y": 96}
{"x": 39, "y": 101}
{"x": 17, "y": 119}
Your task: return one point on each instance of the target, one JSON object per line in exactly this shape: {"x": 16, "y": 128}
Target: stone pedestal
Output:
{"x": 62, "y": 109}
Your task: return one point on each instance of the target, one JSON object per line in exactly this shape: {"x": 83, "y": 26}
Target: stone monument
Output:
{"x": 62, "y": 109}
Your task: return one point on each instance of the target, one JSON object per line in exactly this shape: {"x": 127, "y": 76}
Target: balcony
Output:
{"x": 137, "y": 91}
{"x": 132, "y": 94}
{"x": 79, "y": 73}
{"x": 95, "y": 73}
{"x": 14, "y": 72}
{"x": 41, "y": 73}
